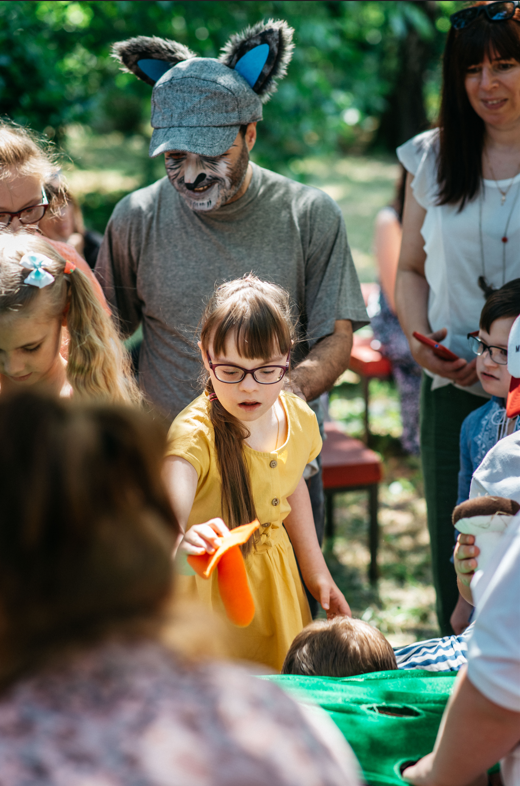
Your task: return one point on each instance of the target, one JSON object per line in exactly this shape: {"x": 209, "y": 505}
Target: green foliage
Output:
{"x": 55, "y": 66}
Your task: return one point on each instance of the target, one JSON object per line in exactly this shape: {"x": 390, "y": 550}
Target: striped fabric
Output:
{"x": 447, "y": 654}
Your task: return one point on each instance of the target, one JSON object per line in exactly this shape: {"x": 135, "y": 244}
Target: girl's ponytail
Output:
{"x": 98, "y": 363}
{"x": 238, "y": 506}
{"x": 256, "y": 315}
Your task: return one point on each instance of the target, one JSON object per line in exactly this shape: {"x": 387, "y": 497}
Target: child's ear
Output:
{"x": 65, "y": 315}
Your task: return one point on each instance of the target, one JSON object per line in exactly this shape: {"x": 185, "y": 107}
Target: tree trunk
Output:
{"x": 405, "y": 114}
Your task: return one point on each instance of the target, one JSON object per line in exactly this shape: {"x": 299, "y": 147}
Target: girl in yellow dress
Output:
{"x": 238, "y": 453}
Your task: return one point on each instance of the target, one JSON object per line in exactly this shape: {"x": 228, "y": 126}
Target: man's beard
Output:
{"x": 220, "y": 183}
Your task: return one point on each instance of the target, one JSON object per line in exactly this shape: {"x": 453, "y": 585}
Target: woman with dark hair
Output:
{"x": 96, "y": 683}
{"x": 461, "y": 228}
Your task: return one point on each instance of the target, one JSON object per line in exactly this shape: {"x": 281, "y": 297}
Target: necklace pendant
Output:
{"x": 504, "y": 239}
{"x": 503, "y": 199}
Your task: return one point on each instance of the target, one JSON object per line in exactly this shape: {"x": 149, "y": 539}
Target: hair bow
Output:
{"x": 39, "y": 277}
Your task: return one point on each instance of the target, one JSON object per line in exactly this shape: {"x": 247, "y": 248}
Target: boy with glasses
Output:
{"x": 485, "y": 426}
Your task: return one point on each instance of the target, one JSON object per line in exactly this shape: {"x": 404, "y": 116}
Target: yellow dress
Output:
{"x": 281, "y": 607}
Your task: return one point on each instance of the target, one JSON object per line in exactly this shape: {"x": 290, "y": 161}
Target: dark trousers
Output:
{"x": 315, "y": 486}
{"x": 442, "y": 413}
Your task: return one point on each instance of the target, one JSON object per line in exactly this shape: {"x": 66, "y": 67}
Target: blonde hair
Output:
{"x": 25, "y": 153}
{"x": 340, "y": 647}
{"x": 98, "y": 364}
{"x": 258, "y": 316}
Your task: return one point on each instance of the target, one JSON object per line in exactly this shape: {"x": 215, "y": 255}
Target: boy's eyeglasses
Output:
{"x": 29, "y": 215}
{"x": 264, "y": 375}
{"x": 497, "y": 354}
{"x": 495, "y": 12}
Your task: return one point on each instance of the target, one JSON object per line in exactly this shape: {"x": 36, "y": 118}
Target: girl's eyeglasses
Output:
{"x": 495, "y": 12}
{"x": 264, "y": 375}
{"x": 497, "y": 354}
{"x": 29, "y": 215}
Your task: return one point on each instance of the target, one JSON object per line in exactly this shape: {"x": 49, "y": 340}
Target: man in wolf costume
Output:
{"x": 165, "y": 247}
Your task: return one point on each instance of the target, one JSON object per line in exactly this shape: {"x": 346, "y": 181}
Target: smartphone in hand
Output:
{"x": 442, "y": 352}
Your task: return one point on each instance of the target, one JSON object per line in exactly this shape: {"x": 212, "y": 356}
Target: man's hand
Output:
{"x": 326, "y": 361}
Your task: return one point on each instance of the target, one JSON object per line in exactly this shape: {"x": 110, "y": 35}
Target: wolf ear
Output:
{"x": 149, "y": 58}
{"x": 261, "y": 55}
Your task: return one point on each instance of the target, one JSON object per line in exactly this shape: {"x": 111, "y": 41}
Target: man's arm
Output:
{"x": 326, "y": 361}
{"x": 474, "y": 734}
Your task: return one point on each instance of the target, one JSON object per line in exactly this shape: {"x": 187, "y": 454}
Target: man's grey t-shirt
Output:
{"x": 160, "y": 261}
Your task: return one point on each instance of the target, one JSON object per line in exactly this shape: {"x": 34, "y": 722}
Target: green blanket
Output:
{"x": 388, "y": 717}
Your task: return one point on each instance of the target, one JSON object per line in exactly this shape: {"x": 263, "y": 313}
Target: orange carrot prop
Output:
{"x": 232, "y": 577}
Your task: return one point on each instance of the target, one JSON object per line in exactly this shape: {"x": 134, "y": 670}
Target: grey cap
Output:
{"x": 199, "y": 106}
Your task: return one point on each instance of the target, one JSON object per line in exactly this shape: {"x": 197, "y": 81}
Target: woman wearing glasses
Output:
{"x": 461, "y": 228}
{"x": 25, "y": 167}
{"x": 238, "y": 452}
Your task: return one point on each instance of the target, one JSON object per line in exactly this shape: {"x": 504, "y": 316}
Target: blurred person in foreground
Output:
{"x": 94, "y": 684}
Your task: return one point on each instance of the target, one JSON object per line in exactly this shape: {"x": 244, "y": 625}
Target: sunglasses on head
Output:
{"x": 495, "y": 12}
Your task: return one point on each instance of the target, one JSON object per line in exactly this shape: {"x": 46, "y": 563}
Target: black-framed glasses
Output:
{"x": 497, "y": 354}
{"x": 495, "y": 12}
{"x": 264, "y": 375}
{"x": 29, "y": 215}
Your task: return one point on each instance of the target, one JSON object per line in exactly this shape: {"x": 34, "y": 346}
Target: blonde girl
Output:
{"x": 41, "y": 294}
{"x": 26, "y": 165}
{"x": 237, "y": 453}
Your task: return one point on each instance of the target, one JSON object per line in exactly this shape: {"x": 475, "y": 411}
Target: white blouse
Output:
{"x": 455, "y": 257}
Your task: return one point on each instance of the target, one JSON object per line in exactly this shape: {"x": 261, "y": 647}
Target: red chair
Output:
{"x": 366, "y": 359}
{"x": 348, "y": 465}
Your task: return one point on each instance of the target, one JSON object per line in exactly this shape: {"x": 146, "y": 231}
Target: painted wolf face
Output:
{"x": 208, "y": 182}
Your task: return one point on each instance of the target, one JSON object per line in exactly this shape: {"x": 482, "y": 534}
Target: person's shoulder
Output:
{"x": 143, "y": 201}
{"x": 193, "y": 422}
{"x": 420, "y": 153}
{"x": 423, "y": 143}
{"x": 478, "y": 417}
{"x": 297, "y": 407}
{"x": 306, "y": 198}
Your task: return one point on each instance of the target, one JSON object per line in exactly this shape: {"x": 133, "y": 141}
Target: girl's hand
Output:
{"x": 464, "y": 558}
{"x": 327, "y": 593}
{"x": 204, "y": 538}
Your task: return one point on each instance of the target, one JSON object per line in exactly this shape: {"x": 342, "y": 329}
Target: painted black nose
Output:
{"x": 196, "y": 184}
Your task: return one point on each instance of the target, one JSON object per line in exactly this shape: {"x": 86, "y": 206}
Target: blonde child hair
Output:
{"x": 98, "y": 364}
{"x": 25, "y": 153}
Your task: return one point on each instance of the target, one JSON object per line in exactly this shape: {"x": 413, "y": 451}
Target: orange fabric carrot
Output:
{"x": 232, "y": 577}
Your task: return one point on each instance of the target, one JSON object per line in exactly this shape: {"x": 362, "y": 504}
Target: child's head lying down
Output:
{"x": 340, "y": 647}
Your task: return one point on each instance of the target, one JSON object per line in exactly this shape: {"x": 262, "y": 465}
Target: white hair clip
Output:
{"x": 38, "y": 277}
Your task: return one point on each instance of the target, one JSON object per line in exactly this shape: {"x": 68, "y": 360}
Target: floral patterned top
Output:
{"x": 133, "y": 715}
{"x": 482, "y": 429}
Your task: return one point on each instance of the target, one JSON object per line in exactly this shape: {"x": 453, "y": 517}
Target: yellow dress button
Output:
{"x": 275, "y": 501}
{"x": 273, "y": 463}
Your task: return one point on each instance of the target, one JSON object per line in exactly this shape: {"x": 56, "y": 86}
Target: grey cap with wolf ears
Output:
{"x": 199, "y": 103}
